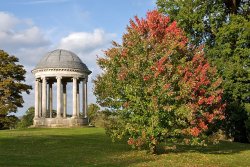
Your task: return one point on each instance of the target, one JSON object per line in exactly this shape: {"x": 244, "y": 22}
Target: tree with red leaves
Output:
{"x": 157, "y": 86}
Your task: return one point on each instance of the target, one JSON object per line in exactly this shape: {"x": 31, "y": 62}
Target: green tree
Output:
{"x": 232, "y": 50}
{"x": 11, "y": 87}
{"x": 223, "y": 26}
{"x": 93, "y": 110}
{"x": 158, "y": 86}
{"x": 27, "y": 119}
{"x": 201, "y": 19}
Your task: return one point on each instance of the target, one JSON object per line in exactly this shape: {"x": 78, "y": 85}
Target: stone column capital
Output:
{"x": 85, "y": 80}
{"x": 58, "y": 77}
{"x": 51, "y": 83}
{"x": 75, "y": 78}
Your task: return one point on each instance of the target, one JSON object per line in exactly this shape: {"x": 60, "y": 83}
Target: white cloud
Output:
{"x": 16, "y": 33}
{"x": 85, "y": 41}
{"x": 29, "y": 36}
{"x": 7, "y": 21}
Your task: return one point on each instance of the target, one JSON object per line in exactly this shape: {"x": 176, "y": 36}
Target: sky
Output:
{"x": 31, "y": 28}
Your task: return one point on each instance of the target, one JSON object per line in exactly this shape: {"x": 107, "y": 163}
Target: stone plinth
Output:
{"x": 60, "y": 122}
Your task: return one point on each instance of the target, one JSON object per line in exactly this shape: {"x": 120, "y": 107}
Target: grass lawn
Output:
{"x": 91, "y": 147}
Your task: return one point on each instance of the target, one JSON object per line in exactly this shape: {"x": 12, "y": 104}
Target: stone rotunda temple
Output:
{"x": 58, "y": 68}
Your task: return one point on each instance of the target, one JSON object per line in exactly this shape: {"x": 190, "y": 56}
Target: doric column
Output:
{"x": 44, "y": 97}
{"x": 84, "y": 98}
{"x": 64, "y": 99}
{"x": 50, "y": 99}
{"x": 78, "y": 101}
{"x": 74, "y": 97}
{"x": 37, "y": 98}
{"x": 58, "y": 94}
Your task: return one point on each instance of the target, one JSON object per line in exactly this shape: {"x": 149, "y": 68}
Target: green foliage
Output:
{"x": 8, "y": 122}
{"x": 158, "y": 86}
{"x": 93, "y": 110}
{"x": 201, "y": 19}
{"x": 247, "y": 122}
{"x": 231, "y": 55}
{"x": 11, "y": 87}
{"x": 27, "y": 119}
{"x": 223, "y": 26}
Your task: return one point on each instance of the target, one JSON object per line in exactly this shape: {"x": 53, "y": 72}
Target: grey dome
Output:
{"x": 62, "y": 59}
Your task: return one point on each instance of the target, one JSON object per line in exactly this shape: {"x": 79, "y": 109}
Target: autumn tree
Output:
{"x": 223, "y": 26}
{"x": 158, "y": 86}
{"x": 11, "y": 87}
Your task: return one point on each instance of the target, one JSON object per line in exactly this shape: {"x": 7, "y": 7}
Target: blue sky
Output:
{"x": 31, "y": 28}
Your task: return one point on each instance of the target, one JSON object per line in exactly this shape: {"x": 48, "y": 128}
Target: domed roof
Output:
{"x": 62, "y": 59}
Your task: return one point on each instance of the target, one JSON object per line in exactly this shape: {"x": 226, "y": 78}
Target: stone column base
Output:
{"x": 59, "y": 122}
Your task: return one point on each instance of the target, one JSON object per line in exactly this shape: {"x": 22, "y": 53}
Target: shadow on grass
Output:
{"x": 40, "y": 147}
{"x": 84, "y": 147}
{"x": 224, "y": 147}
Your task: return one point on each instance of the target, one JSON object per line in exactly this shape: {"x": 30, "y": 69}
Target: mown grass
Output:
{"x": 91, "y": 147}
